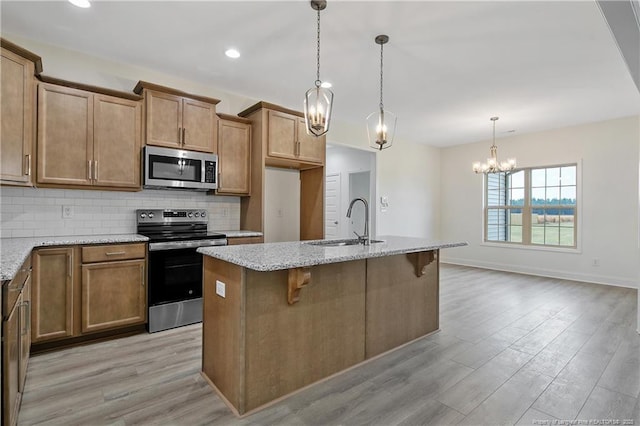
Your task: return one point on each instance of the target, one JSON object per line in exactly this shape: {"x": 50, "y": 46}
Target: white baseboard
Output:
{"x": 545, "y": 272}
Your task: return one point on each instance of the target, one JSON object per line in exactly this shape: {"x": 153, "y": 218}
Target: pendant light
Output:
{"x": 381, "y": 124}
{"x": 493, "y": 165}
{"x": 319, "y": 99}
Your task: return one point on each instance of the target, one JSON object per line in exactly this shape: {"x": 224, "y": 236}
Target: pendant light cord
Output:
{"x": 381, "y": 75}
{"x": 318, "y": 82}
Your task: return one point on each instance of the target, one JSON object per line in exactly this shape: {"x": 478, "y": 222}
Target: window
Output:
{"x": 533, "y": 206}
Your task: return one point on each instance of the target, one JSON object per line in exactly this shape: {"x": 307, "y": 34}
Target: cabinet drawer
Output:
{"x": 91, "y": 254}
{"x": 11, "y": 289}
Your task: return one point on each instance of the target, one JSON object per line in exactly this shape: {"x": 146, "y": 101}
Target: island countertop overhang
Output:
{"x": 278, "y": 256}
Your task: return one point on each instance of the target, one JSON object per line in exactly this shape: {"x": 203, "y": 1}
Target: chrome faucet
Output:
{"x": 364, "y": 238}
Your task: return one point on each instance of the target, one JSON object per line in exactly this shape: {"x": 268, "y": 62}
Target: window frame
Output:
{"x": 527, "y": 209}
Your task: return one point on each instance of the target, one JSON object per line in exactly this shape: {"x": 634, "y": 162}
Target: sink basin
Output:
{"x": 340, "y": 243}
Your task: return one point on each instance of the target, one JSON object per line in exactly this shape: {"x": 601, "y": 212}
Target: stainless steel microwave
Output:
{"x": 179, "y": 169}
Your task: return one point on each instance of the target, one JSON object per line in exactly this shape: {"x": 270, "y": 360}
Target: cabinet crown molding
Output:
{"x": 89, "y": 88}
{"x": 270, "y": 106}
{"x": 142, "y": 85}
{"x": 20, "y": 51}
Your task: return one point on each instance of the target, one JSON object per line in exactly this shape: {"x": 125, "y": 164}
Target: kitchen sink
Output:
{"x": 340, "y": 243}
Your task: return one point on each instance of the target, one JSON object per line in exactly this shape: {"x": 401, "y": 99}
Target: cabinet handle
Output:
{"x": 115, "y": 253}
{"x": 27, "y": 159}
{"x": 184, "y": 136}
{"x": 27, "y": 325}
{"x": 95, "y": 170}
{"x": 179, "y": 135}
{"x": 90, "y": 169}
{"x": 69, "y": 266}
{"x": 219, "y": 179}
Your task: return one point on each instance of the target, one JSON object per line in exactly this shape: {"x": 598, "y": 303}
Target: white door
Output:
{"x": 332, "y": 206}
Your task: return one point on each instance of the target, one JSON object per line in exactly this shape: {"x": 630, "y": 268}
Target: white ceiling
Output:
{"x": 449, "y": 66}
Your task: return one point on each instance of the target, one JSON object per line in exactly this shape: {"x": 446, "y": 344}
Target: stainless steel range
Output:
{"x": 175, "y": 268}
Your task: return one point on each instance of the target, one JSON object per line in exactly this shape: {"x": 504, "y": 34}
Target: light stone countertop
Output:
{"x": 277, "y": 256}
{"x": 14, "y": 251}
{"x": 241, "y": 234}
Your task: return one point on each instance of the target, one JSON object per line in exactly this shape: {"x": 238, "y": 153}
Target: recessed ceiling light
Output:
{"x": 326, "y": 84}
{"x": 232, "y": 53}
{"x": 80, "y": 3}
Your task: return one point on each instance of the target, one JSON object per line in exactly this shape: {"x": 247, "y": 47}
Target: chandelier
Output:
{"x": 493, "y": 165}
{"x": 318, "y": 99}
{"x": 381, "y": 124}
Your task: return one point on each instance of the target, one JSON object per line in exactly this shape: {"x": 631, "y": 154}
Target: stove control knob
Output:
{"x": 190, "y": 214}
{"x": 143, "y": 215}
{"x": 197, "y": 214}
{"x": 150, "y": 215}
{"x": 203, "y": 214}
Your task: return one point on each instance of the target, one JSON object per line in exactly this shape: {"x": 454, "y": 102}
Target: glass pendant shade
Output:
{"x": 318, "y": 100}
{"x": 381, "y": 128}
{"x": 317, "y": 110}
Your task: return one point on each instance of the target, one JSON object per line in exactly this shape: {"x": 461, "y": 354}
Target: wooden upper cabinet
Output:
{"x": 117, "y": 141}
{"x": 282, "y": 139}
{"x": 176, "y": 119}
{"x": 234, "y": 157}
{"x": 199, "y": 124}
{"x": 310, "y": 148}
{"x": 18, "y": 114}
{"x": 164, "y": 116}
{"x": 287, "y": 143}
{"x": 88, "y": 139}
{"x": 65, "y": 135}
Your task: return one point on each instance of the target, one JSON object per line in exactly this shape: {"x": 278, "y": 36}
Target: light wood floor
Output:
{"x": 512, "y": 349}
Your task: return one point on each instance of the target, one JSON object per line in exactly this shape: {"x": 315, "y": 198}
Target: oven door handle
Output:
{"x": 174, "y": 245}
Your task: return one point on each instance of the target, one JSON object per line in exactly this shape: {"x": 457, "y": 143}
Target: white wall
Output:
{"x": 345, "y": 160}
{"x": 408, "y": 174}
{"x": 607, "y": 153}
{"x": 281, "y": 205}
{"x": 29, "y": 212}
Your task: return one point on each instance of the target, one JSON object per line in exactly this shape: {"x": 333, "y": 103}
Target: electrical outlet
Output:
{"x": 225, "y": 212}
{"x": 279, "y": 213}
{"x": 595, "y": 262}
{"x": 67, "y": 212}
{"x": 220, "y": 288}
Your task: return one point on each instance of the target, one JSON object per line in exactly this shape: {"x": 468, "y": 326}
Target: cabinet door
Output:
{"x": 52, "y": 294}
{"x": 164, "y": 119}
{"x": 234, "y": 157}
{"x": 310, "y": 148}
{"x": 11, "y": 366}
{"x": 25, "y": 332}
{"x": 65, "y": 135}
{"x": 113, "y": 295}
{"x": 116, "y": 143}
{"x": 199, "y": 122}
{"x": 17, "y": 106}
{"x": 282, "y": 138}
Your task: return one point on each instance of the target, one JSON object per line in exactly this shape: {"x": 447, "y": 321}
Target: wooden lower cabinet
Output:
{"x": 15, "y": 342}
{"x": 78, "y": 291}
{"x": 54, "y": 276}
{"x": 113, "y": 295}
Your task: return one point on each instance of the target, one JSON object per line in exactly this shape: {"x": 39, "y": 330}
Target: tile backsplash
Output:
{"x": 29, "y": 212}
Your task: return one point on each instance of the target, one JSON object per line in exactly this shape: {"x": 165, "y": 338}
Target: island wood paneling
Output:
{"x": 223, "y": 331}
{"x": 393, "y": 287}
{"x": 291, "y": 346}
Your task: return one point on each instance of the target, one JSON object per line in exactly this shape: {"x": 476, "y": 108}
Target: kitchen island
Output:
{"x": 280, "y": 316}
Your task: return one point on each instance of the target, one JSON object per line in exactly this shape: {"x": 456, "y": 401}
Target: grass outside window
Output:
{"x": 532, "y": 206}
